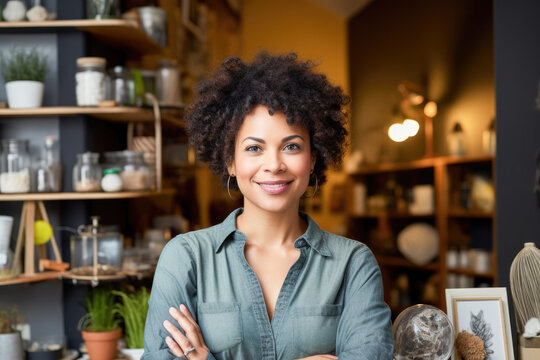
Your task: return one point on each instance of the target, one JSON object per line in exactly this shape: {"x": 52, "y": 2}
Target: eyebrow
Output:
{"x": 285, "y": 139}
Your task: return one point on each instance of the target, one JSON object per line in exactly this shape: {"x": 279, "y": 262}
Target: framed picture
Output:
{"x": 482, "y": 312}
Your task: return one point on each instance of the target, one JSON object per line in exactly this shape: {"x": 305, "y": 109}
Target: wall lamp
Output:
{"x": 411, "y": 100}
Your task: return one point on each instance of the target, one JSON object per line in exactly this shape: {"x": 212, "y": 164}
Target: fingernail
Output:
{"x": 168, "y": 340}
{"x": 166, "y": 323}
{"x": 173, "y": 311}
{"x": 183, "y": 308}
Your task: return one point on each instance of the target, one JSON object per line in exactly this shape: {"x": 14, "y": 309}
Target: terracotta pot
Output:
{"x": 101, "y": 345}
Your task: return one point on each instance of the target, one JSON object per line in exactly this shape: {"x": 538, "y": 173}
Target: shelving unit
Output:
{"x": 84, "y": 196}
{"x": 123, "y": 34}
{"x": 447, "y": 175}
{"x": 44, "y": 276}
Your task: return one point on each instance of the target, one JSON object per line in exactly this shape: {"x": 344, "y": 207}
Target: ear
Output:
{"x": 313, "y": 160}
{"x": 231, "y": 169}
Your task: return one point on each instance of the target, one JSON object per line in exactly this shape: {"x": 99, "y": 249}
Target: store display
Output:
{"x": 15, "y": 167}
{"x": 87, "y": 173}
{"x": 419, "y": 243}
{"x": 90, "y": 81}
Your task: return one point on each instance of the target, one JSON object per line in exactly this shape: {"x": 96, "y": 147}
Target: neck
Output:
{"x": 268, "y": 229}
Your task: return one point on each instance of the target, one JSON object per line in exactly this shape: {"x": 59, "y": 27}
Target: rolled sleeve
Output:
{"x": 174, "y": 284}
{"x": 365, "y": 329}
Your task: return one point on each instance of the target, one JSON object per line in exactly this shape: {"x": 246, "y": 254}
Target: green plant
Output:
{"x": 23, "y": 65}
{"x": 133, "y": 308}
{"x": 8, "y": 318}
{"x": 101, "y": 315}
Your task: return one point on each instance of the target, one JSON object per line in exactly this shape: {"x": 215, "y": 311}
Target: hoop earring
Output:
{"x": 316, "y": 187}
{"x": 228, "y": 186}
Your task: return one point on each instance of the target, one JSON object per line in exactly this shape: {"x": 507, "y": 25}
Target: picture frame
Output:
{"x": 482, "y": 312}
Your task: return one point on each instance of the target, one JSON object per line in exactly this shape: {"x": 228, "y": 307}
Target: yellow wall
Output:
{"x": 300, "y": 26}
{"x": 313, "y": 33}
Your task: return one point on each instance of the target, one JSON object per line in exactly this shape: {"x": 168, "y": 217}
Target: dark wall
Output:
{"x": 517, "y": 72}
{"x": 445, "y": 47}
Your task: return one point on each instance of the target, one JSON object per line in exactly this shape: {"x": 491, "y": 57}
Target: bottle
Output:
{"x": 15, "y": 167}
{"x": 49, "y": 172}
{"x": 90, "y": 81}
{"x": 87, "y": 173}
{"x": 456, "y": 141}
{"x": 121, "y": 86}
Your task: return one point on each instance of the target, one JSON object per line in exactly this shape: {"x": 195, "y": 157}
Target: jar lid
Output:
{"x": 91, "y": 61}
{"x": 88, "y": 157}
{"x": 13, "y": 145}
{"x": 111, "y": 171}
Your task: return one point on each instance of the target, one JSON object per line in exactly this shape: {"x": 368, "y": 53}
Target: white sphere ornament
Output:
{"x": 15, "y": 10}
{"x": 37, "y": 13}
{"x": 419, "y": 243}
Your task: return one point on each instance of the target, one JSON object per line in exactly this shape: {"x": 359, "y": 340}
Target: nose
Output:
{"x": 274, "y": 162}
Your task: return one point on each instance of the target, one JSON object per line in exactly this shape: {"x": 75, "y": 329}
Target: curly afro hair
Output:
{"x": 281, "y": 83}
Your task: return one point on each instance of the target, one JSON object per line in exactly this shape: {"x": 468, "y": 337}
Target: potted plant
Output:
{"x": 10, "y": 340}
{"x": 133, "y": 308}
{"x": 24, "y": 74}
{"x": 100, "y": 325}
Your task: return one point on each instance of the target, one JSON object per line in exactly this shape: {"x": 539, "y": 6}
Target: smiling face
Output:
{"x": 272, "y": 161}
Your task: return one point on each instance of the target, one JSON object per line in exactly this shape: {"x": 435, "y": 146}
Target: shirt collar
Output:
{"x": 314, "y": 236}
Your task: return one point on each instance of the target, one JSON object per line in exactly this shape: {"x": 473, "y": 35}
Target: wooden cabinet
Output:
{"x": 462, "y": 212}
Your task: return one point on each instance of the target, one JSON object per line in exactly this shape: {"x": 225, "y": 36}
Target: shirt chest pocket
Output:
{"x": 315, "y": 328}
{"x": 221, "y": 325}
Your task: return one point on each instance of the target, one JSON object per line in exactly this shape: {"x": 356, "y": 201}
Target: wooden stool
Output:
{"x": 26, "y": 228}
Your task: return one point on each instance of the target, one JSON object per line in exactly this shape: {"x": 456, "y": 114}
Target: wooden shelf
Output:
{"x": 49, "y": 275}
{"x": 116, "y": 32}
{"x": 461, "y": 213}
{"x": 470, "y": 272}
{"x": 422, "y": 164}
{"x": 394, "y": 215}
{"x": 116, "y": 113}
{"x": 83, "y": 196}
{"x": 402, "y": 262}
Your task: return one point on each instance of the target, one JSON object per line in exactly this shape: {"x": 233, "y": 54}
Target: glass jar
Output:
{"x": 15, "y": 167}
{"x": 49, "y": 171}
{"x": 122, "y": 87}
{"x": 90, "y": 81}
{"x": 87, "y": 173}
{"x": 135, "y": 172}
{"x": 111, "y": 181}
{"x": 168, "y": 89}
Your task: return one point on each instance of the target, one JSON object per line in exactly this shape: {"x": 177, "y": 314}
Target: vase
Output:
{"x": 101, "y": 345}
{"x": 11, "y": 346}
{"x": 525, "y": 284}
{"x": 24, "y": 94}
{"x": 133, "y": 354}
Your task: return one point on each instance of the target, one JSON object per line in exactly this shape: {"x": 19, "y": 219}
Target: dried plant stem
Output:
{"x": 525, "y": 284}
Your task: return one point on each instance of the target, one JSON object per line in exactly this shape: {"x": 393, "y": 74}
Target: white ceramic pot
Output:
{"x": 24, "y": 94}
{"x": 133, "y": 354}
{"x": 11, "y": 345}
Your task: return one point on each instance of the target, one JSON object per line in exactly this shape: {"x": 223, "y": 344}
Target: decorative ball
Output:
{"x": 423, "y": 332}
{"x": 419, "y": 243}
{"x": 42, "y": 232}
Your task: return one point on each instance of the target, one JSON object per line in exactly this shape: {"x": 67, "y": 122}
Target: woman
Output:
{"x": 268, "y": 283}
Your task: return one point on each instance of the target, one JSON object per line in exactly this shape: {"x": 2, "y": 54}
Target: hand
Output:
{"x": 320, "y": 357}
{"x": 181, "y": 345}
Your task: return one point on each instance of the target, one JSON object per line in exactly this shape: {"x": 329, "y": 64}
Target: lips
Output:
{"x": 274, "y": 187}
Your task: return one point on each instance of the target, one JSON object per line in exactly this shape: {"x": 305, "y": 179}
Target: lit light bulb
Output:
{"x": 411, "y": 126}
{"x": 397, "y": 132}
{"x": 430, "y": 109}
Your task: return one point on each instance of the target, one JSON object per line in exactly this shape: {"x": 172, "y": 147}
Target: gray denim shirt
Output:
{"x": 331, "y": 301}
